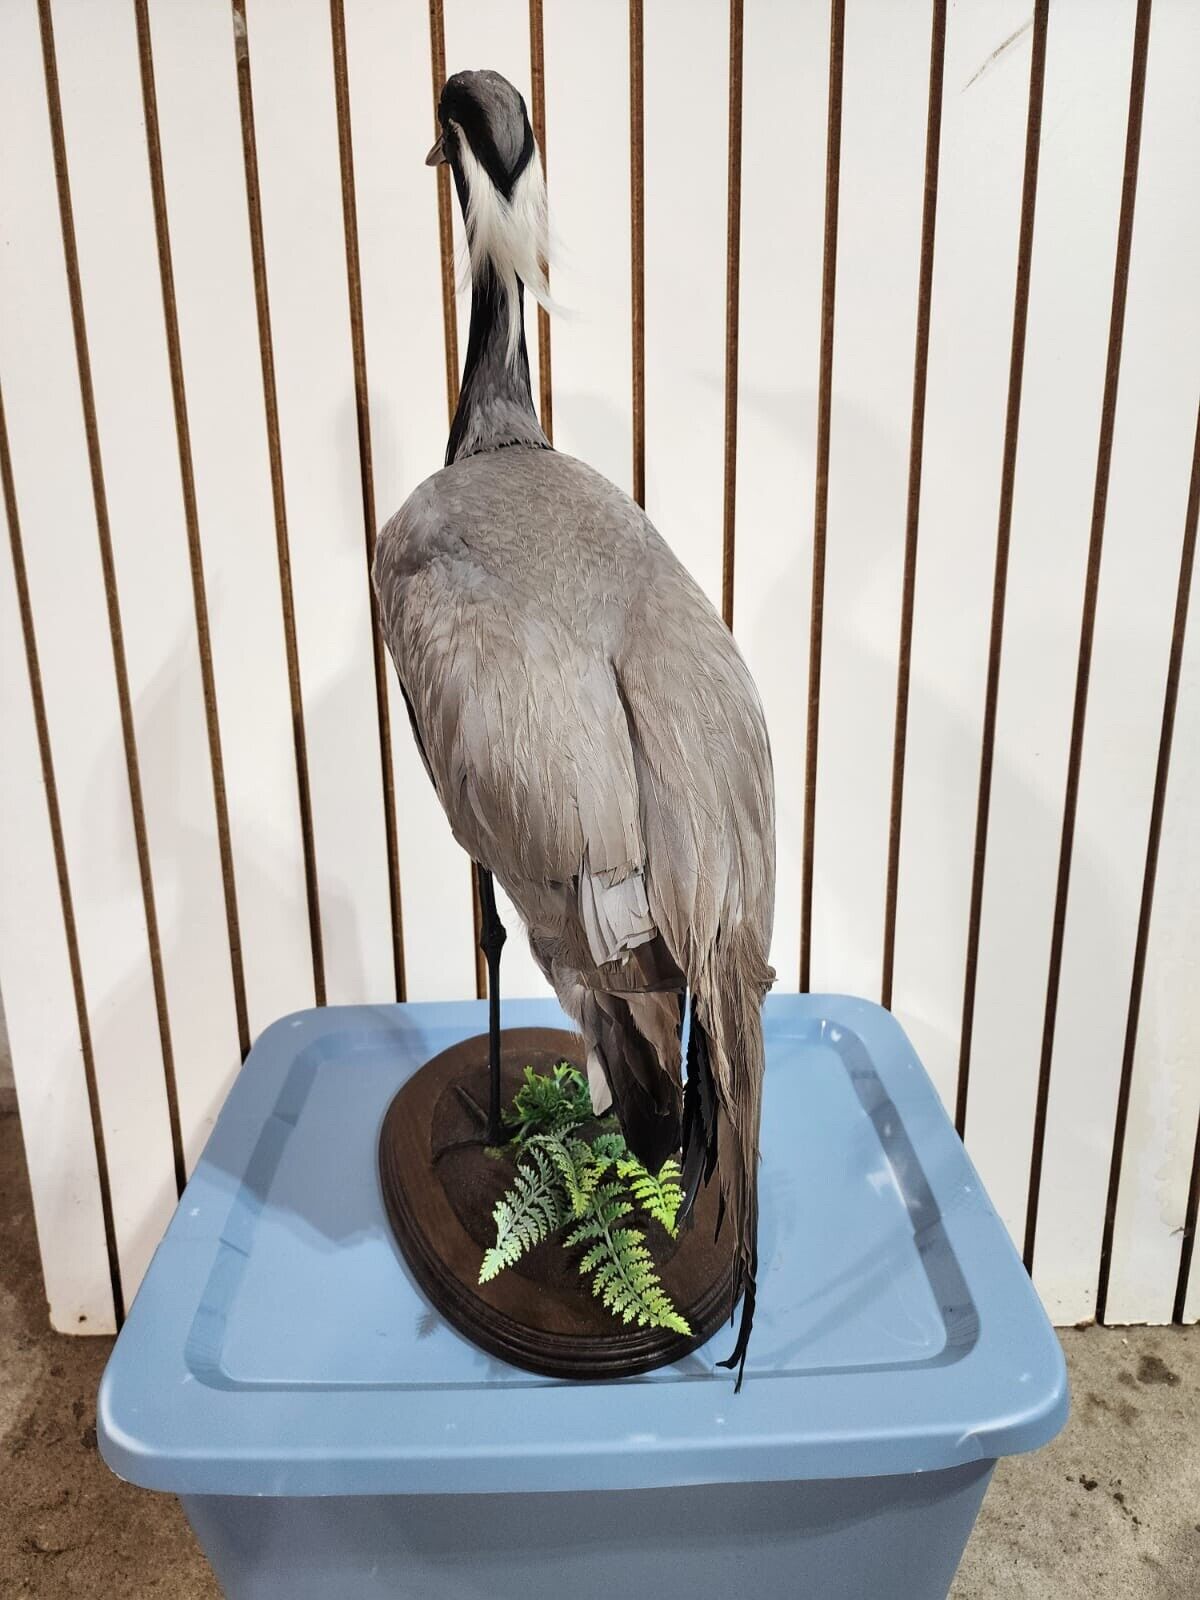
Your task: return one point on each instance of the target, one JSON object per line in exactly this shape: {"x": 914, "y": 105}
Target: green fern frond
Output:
{"x": 530, "y": 1212}
{"x": 590, "y": 1180}
{"x": 588, "y": 1186}
{"x": 623, "y": 1277}
{"x": 548, "y": 1103}
{"x": 573, "y": 1165}
{"x": 608, "y": 1205}
{"x": 604, "y": 1153}
{"x": 660, "y": 1197}
{"x": 609, "y": 1147}
{"x": 592, "y": 1258}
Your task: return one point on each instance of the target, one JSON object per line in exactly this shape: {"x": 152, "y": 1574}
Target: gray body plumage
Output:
{"x": 598, "y": 743}
{"x": 595, "y": 739}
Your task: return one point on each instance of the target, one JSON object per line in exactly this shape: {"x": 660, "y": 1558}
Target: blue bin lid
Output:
{"x": 279, "y": 1346}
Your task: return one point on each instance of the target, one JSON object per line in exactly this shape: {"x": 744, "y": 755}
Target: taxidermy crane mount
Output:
{"x": 598, "y": 745}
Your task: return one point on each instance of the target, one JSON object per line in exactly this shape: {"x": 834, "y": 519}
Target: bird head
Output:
{"x": 488, "y": 143}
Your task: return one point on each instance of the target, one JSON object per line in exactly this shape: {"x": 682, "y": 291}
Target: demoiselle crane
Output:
{"x": 587, "y": 720}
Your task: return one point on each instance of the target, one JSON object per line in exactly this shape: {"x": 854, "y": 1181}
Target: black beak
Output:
{"x": 437, "y": 156}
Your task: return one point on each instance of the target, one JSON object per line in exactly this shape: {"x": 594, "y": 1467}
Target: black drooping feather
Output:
{"x": 738, "y": 1358}
{"x": 699, "y": 1116}
{"x": 699, "y": 1162}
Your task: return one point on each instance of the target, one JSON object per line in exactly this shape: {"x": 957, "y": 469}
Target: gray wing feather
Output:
{"x": 520, "y": 723}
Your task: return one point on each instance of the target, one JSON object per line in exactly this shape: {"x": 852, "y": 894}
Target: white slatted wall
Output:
{"x": 937, "y": 457}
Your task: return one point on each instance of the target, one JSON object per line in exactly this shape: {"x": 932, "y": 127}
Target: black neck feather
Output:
{"x": 495, "y": 403}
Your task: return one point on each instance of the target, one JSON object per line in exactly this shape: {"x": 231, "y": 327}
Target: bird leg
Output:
{"x": 491, "y": 942}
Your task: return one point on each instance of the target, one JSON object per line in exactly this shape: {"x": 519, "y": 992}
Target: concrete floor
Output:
{"x": 1111, "y": 1509}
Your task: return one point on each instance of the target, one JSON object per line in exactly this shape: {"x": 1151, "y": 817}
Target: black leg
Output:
{"x": 491, "y": 942}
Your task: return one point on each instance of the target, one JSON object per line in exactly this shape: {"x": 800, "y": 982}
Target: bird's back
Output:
{"x": 549, "y": 532}
{"x": 521, "y": 590}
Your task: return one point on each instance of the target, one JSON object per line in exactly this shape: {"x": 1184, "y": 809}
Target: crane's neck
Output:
{"x": 495, "y": 403}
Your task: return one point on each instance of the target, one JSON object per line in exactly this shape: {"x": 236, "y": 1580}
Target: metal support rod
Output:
{"x": 491, "y": 942}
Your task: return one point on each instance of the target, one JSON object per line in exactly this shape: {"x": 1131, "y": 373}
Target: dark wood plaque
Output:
{"x": 439, "y": 1187}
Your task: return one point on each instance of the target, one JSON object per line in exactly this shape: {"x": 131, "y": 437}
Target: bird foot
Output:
{"x": 487, "y": 1138}
{"x": 472, "y": 1107}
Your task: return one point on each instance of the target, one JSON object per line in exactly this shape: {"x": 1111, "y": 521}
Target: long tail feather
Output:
{"x": 699, "y": 1116}
{"x": 729, "y": 1057}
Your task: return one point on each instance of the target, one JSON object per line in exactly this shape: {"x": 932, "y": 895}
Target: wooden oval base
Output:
{"x": 440, "y": 1185}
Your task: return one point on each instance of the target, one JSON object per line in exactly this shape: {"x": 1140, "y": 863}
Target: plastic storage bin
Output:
{"x": 330, "y": 1437}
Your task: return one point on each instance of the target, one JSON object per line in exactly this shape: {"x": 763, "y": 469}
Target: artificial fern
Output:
{"x": 530, "y": 1212}
{"x": 571, "y": 1160}
{"x": 548, "y": 1103}
{"x": 592, "y": 1183}
{"x": 659, "y": 1196}
{"x": 623, "y": 1274}
{"x": 608, "y": 1205}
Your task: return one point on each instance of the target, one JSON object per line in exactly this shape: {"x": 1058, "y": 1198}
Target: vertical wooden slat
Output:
{"x": 1158, "y": 1173}
{"x": 586, "y": 73}
{"x": 1012, "y": 423}
{"x": 933, "y": 141}
{"x": 387, "y": 50}
{"x": 686, "y": 221}
{"x": 362, "y": 412}
{"x": 52, "y": 461}
{"x": 979, "y": 197}
{"x": 778, "y": 344}
{"x": 1088, "y": 62}
{"x": 302, "y": 207}
{"x": 167, "y": 645}
{"x": 437, "y": 59}
{"x": 1152, "y": 1271}
{"x": 537, "y": 77}
{"x": 1152, "y": 453}
{"x": 1155, "y": 1218}
{"x": 187, "y": 481}
{"x": 278, "y": 494}
{"x": 1149, "y": 877}
{"x": 1112, "y": 376}
{"x": 57, "y": 1135}
{"x": 496, "y": 34}
{"x": 637, "y": 250}
{"x": 837, "y": 38}
{"x": 437, "y": 63}
{"x": 112, "y": 599}
{"x": 880, "y": 210}
{"x": 733, "y": 246}
{"x": 199, "y": 131}
{"x": 1179, "y": 1311}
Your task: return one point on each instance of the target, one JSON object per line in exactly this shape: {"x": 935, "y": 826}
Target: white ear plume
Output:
{"x": 511, "y": 237}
